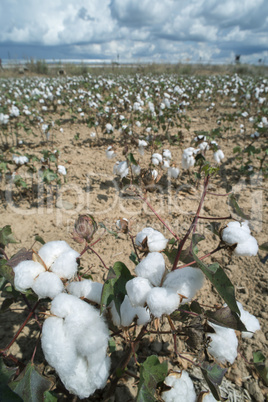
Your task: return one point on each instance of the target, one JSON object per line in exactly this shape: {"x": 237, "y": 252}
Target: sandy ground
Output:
{"x": 92, "y": 188}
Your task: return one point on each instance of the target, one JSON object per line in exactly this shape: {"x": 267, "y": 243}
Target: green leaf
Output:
{"x": 111, "y": 345}
{"x": 214, "y": 227}
{"x": 259, "y": 363}
{"x": 233, "y": 203}
{"x": 6, "y": 394}
{"x": 152, "y": 372}
{"x": 131, "y": 159}
{"x": 219, "y": 279}
{"x": 237, "y": 150}
{"x": 226, "y": 318}
{"x": 6, "y": 271}
{"x": 6, "y": 304}
{"x": 39, "y": 239}
{"x": 264, "y": 246}
{"x": 133, "y": 258}
{"x": 31, "y": 385}
{"x": 114, "y": 288}
{"x": 50, "y": 397}
{"x": 6, "y": 236}
{"x": 115, "y": 234}
{"x": 213, "y": 375}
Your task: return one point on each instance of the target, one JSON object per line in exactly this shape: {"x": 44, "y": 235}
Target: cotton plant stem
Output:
{"x": 216, "y": 219}
{"x": 21, "y": 328}
{"x": 134, "y": 246}
{"x": 173, "y": 334}
{"x": 192, "y": 226}
{"x": 201, "y": 258}
{"x": 156, "y": 214}
{"x": 219, "y": 195}
{"x": 95, "y": 252}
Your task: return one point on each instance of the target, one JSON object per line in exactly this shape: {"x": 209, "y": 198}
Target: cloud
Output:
{"x": 162, "y": 30}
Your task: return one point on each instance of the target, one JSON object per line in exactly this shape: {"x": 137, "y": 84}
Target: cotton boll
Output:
{"x": 59, "y": 350}
{"x": 247, "y": 249}
{"x": 115, "y": 316}
{"x": 127, "y": 312}
{"x": 173, "y": 172}
{"x": 99, "y": 372}
{"x": 110, "y": 152}
{"x": 52, "y": 250}
{"x": 235, "y": 233}
{"x": 25, "y": 274}
{"x": 137, "y": 290}
{"x": 162, "y": 301}
{"x": 143, "y": 315}
{"x": 218, "y": 156}
{"x": 65, "y": 266}
{"x": 47, "y": 284}
{"x": 185, "y": 281}
{"x": 152, "y": 267}
{"x": 86, "y": 288}
{"x": 64, "y": 304}
{"x": 155, "y": 240}
{"x": 182, "y": 388}
{"x": 167, "y": 154}
{"x": 208, "y": 397}
{"x": 156, "y": 159}
{"x": 250, "y": 321}
{"x": 224, "y": 344}
{"x": 136, "y": 169}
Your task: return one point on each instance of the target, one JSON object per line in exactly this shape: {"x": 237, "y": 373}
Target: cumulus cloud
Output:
{"x": 171, "y": 30}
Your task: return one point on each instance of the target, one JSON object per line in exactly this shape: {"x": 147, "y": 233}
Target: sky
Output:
{"x": 135, "y": 31}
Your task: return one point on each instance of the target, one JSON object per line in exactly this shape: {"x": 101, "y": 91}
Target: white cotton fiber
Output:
{"x": 250, "y": 321}
{"x": 236, "y": 233}
{"x": 155, "y": 240}
{"x": 143, "y": 315}
{"x": 224, "y": 344}
{"x": 152, "y": 267}
{"x": 47, "y": 284}
{"x": 115, "y": 316}
{"x": 127, "y": 312}
{"x": 52, "y": 250}
{"x": 25, "y": 274}
{"x": 162, "y": 301}
{"x": 86, "y": 288}
{"x": 218, "y": 156}
{"x": 185, "y": 281}
{"x": 240, "y": 233}
{"x": 76, "y": 345}
{"x": 208, "y": 398}
{"x": 137, "y": 290}
{"x": 58, "y": 349}
{"x": 182, "y": 389}
{"x": 247, "y": 249}
{"x": 65, "y": 266}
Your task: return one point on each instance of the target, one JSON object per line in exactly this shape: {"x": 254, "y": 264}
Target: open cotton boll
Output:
{"x": 155, "y": 240}
{"x": 162, "y": 301}
{"x": 110, "y": 152}
{"x": 47, "y": 284}
{"x": 25, "y": 274}
{"x": 114, "y": 313}
{"x": 127, "y": 312}
{"x": 137, "y": 290}
{"x": 173, "y": 172}
{"x": 86, "y": 288}
{"x": 223, "y": 345}
{"x": 167, "y": 154}
{"x": 121, "y": 169}
{"x": 65, "y": 266}
{"x": 208, "y": 397}
{"x": 152, "y": 267}
{"x": 218, "y": 156}
{"x": 250, "y": 321}
{"x": 247, "y": 249}
{"x": 185, "y": 281}
{"x": 64, "y": 304}
{"x": 182, "y": 388}
{"x": 156, "y": 159}
{"x": 136, "y": 169}
{"x": 236, "y": 233}
{"x": 59, "y": 350}
{"x": 143, "y": 315}
{"x": 52, "y": 250}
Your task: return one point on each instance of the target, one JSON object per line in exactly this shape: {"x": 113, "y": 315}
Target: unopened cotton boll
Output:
{"x": 47, "y": 284}
{"x": 25, "y": 274}
{"x": 223, "y": 345}
{"x": 182, "y": 388}
{"x": 185, "y": 281}
{"x": 155, "y": 240}
{"x": 162, "y": 301}
{"x": 137, "y": 290}
{"x": 152, "y": 267}
{"x": 250, "y": 321}
{"x": 86, "y": 288}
